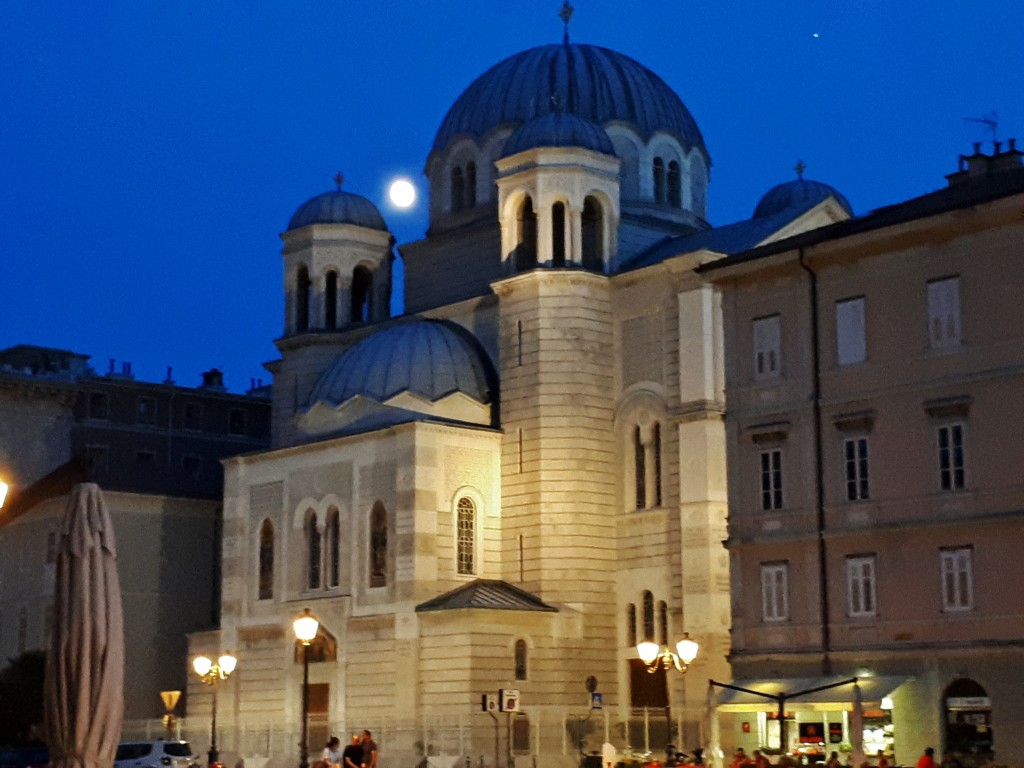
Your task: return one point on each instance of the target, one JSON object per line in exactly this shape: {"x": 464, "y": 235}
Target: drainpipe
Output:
{"x": 826, "y": 631}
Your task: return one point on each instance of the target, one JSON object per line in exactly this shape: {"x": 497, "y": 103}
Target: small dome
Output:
{"x": 428, "y": 358}
{"x": 558, "y": 129}
{"x": 338, "y": 207}
{"x": 782, "y": 196}
{"x": 597, "y": 84}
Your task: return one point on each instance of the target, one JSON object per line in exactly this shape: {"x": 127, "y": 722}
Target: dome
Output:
{"x": 805, "y": 191}
{"x": 338, "y": 207}
{"x": 558, "y": 129}
{"x": 593, "y": 83}
{"x": 428, "y": 358}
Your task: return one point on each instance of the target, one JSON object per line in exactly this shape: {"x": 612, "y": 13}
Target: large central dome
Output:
{"x": 594, "y": 83}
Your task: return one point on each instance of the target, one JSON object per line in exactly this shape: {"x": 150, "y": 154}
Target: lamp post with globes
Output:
{"x": 662, "y": 657}
{"x": 305, "y": 627}
{"x": 212, "y": 672}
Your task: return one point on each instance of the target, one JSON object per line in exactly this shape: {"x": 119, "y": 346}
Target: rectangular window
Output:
{"x": 98, "y": 406}
{"x": 855, "y": 455}
{"x": 145, "y": 411}
{"x": 236, "y": 421}
{"x": 193, "y": 416}
{"x": 951, "y": 457}
{"x": 775, "y": 591}
{"x": 771, "y": 479}
{"x": 767, "y": 333}
{"x": 944, "y": 313}
{"x": 851, "y": 346}
{"x": 957, "y": 579}
{"x": 860, "y": 586}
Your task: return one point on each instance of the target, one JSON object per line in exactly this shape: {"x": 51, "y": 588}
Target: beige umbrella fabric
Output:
{"x": 84, "y": 693}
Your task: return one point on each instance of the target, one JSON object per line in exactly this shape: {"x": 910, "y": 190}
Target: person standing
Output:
{"x": 927, "y": 760}
{"x": 370, "y": 751}
{"x": 352, "y": 757}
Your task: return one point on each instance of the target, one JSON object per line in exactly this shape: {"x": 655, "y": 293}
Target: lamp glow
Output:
{"x": 4, "y": 487}
{"x": 305, "y": 627}
{"x": 687, "y": 649}
{"x": 227, "y": 664}
{"x": 648, "y": 651}
{"x": 202, "y": 665}
{"x": 662, "y": 657}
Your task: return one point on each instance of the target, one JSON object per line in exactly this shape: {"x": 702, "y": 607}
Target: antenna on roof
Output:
{"x": 565, "y": 15}
{"x": 990, "y": 121}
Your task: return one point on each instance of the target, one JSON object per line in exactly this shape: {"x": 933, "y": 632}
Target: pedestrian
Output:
{"x": 927, "y": 760}
{"x": 331, "y": 757}
{"x": 370, "y": 751}
{"x": 760, "y": 759}
{"x": 833, "y": 761}
{"x": 352, "y": 757}
{"x": 882, "y": 762}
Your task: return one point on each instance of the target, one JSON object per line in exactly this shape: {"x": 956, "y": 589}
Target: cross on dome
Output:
{"x": 800, "y": 168}
{"x": 339, "y": 179}
{"x": 565, "y": 15}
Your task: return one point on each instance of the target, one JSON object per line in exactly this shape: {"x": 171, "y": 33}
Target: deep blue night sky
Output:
{"x": 151, "y": 153}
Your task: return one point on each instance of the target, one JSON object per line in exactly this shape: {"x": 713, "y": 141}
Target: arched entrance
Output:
{"x": 968, "y": 718}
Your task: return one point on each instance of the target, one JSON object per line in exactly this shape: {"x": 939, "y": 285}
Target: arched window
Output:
{"x": 470, "y": 185}
{"x": 266, "y": 581}
{"x": 313, "y": 546}
{"x": 659, "y": 180}
{"x": 593, "y": 235}
{"x": 675, "y": 185}
{"x": 526, "y": 237}
{"x": 458, "y": 201}
{"x": 378, "y": 545}
{"x": 303, "y": 294}
{"x": 663, "y": 622}
{"x": 362, "y": 294}
{"x": 640, "y": 468}
{"x": 466, "y": 535}
{"x": 331, "y": 300}
{"x": 333, "y": 556}
{"x": 631, "y": 625}
{"x": 520, "y": 660}
{"x": 656, "y": 455}
{"x": 558, "y": 235}
{"x": 648, "y": 616}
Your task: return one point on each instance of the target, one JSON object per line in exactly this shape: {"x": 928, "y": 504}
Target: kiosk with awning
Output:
{"x": 806, "y": 717}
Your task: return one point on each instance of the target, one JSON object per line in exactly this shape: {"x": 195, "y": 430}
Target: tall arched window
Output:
{"x": 466, "y": 535}
{"x": 648, "y": 616}
{"x": 675, "y": 185}
{"x": 378, "y": 545}
{"x": 313, "y": 551}
{"x": 362, "y": 294}
{"x": 266, "y": 580}
{"x": 458, "y": 201}
{"x": 631, "y": 625}
{"x": 593, "y": 235}
{"x": 526, "y": 237}
{"x": 520, "y": 660}
{"x": 656, "y": 455}
{"x": 640, "y": 469}
{"x": 663, "y": 622}
{"x": 659, "y": 180}
{"x": 331, "y": 300}
{"x": 303, "y": 294}
{"x": 558, "y": 235}
{"x": 471, "y": 185}
{"x": 333, "y": 556}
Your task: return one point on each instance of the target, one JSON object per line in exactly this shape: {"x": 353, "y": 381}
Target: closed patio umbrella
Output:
{"x": 84, "y": 691}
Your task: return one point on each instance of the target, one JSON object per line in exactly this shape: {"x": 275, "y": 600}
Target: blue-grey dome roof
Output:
{"x": 338, "y": 207}
{"x": 429, "y": 358}
{"x": 558, "y": 129}
{"x": 594, "y": 83}
{"x": 789, "y": 193}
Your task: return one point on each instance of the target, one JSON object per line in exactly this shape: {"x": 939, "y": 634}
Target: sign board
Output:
{"x": 597, "y": 700}
{"x": 508, "y": 700}
{"x": 489, "y": 702}
{"x": 968, "y": 702}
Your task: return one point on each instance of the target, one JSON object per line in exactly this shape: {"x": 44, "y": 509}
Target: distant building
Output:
{"x": 874, "y": 374}
{"x": 155, "y": 450}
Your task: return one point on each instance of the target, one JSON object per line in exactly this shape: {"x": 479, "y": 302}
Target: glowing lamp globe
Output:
{"x": 648, "y": 651}
{"x": 687, "y": 649}
{"x": 305, "y": 627}
{"x": 227, "y": 664}
{"x": 202, "y": 665}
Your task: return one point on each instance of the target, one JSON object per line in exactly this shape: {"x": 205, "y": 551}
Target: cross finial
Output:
{"x": 800, "y": 168}
{"x": 565, "y": 15}
{"x": 339, "y": 179}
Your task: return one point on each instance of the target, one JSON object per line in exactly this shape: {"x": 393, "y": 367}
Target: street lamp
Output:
{"x": 211, "y": 673}
{"x": 305, "y": 628}
{"x": 655, "y": 656}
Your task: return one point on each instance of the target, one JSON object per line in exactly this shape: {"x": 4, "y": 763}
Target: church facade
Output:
{"x": 511, "y": 485}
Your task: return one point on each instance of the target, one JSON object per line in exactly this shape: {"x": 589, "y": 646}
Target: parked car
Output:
{"x": 155, "y": 754}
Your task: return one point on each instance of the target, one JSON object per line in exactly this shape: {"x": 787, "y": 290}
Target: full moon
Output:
{"x": 402, "y": 193}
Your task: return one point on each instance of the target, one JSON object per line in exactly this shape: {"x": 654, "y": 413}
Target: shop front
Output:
{"x": 804, "y": 719}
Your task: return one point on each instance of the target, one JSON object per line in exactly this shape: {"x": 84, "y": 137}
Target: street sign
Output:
{"x": 508, "y": 700}
{"x": 596, "y": 700}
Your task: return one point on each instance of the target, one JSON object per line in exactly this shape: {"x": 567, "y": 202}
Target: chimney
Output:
{"x": 170, "y": 379}
{"x": 213, "y": 381}
{"x": 980, "y": 166}
{"x": 1008, "y": 160}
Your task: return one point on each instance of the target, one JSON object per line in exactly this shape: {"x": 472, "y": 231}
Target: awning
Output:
{"x": 838, "y": 697}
